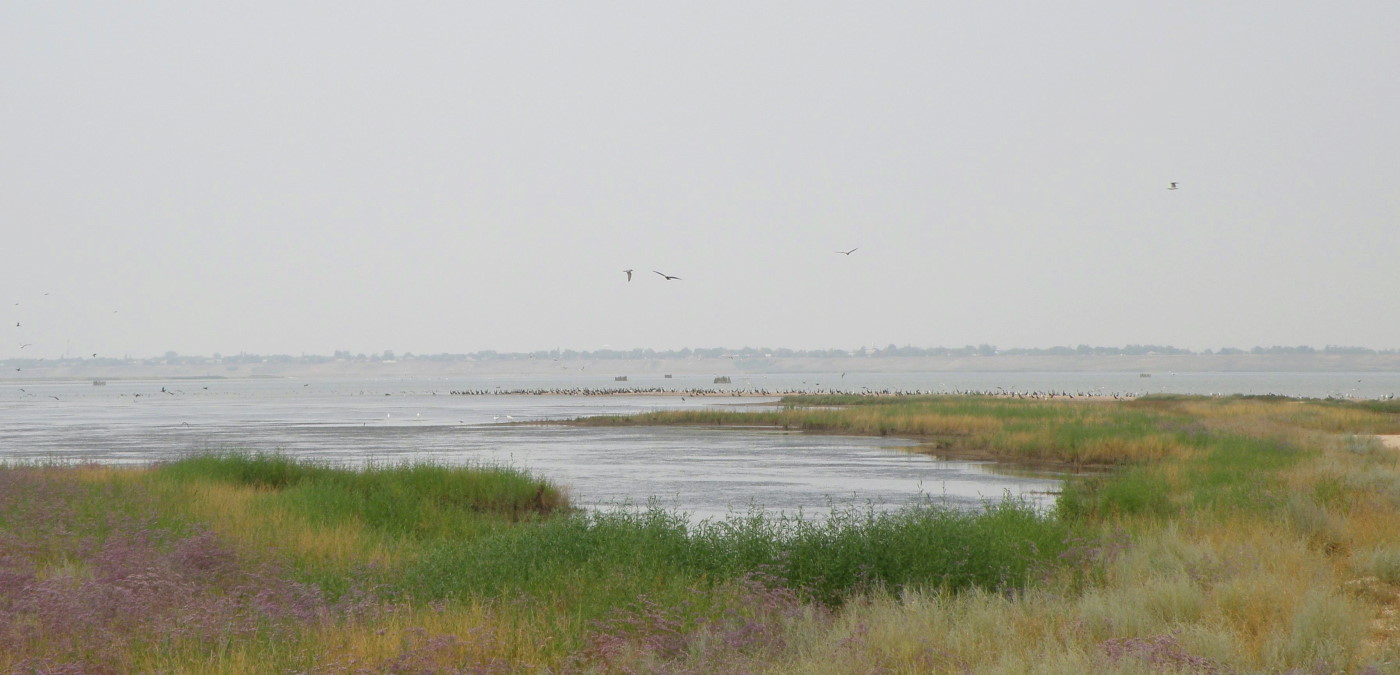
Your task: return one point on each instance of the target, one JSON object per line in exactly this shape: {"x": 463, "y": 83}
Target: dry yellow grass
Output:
{"x": 238, "y": 513}
{"x": 1197, "y": 594}
{"x": 423, "y": 639}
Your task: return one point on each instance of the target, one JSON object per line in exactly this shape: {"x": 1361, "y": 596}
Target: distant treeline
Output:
{"x": 746, "y": 354}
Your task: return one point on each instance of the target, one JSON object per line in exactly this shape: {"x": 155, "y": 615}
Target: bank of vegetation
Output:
{"x": 1226, "y": 535}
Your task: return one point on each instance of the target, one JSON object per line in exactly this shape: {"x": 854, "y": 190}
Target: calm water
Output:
{"x": 704, "y": 472}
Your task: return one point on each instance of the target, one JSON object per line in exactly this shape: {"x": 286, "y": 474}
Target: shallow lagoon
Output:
{"x": 705, "y": 472}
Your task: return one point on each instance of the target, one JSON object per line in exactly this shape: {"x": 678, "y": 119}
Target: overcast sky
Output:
{"x": 452, "y": 177}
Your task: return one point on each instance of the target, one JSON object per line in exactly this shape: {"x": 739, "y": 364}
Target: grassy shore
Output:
{"x": 1231, "y": 535}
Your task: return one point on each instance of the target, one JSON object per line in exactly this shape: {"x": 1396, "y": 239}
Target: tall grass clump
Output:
{"x": 1127, "y": 493}
{"x": 853, "y": 550}
{"x": 268, "y": 470}
{"x": 339, "y": 524}
{"x": 1004, "y": 546}
{"x": 404, "y": 498}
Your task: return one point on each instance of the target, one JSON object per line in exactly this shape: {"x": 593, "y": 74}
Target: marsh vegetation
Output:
{"x": 1231, "y": 534}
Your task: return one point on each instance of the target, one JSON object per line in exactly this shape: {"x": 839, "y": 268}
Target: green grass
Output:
{"x": 927, "y": 546}
{"x": 1239, "y": 473}
{"x": 481, "y": 534}
{"x": 397, "y": 509}
{"x": 259, "y": 469}
{"x": 413, "y": 499}
{"x": 1131, "y": 492}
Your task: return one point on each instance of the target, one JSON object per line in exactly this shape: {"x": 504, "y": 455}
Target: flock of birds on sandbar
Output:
{"x": 700, "y": 392}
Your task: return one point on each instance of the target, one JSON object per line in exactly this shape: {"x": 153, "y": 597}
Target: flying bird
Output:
{"x": 858, "y": 248}
{"x": 1173, "y": 186}
{"x": 667, "y": 276}
{"x": 628, "y": 273}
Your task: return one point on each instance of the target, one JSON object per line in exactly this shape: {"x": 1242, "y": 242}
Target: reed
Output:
{"x": 1004, "y": 546}
{"x": 395, "y": 496}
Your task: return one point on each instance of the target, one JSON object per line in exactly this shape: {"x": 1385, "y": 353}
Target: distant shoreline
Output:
{"x": 609, "y": 368}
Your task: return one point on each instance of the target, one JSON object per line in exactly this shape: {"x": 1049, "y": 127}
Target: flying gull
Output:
{"x": 667, "y": 276}
{"x": 1173, "y": 186}
{"x": 628, "y": 273}
{"x": 850, "y": 251}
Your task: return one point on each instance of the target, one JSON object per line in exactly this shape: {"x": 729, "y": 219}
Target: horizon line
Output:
{"x": 891, "y": 350}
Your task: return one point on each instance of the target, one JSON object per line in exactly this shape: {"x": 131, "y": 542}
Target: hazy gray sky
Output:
{"x": 452, "y": 177}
